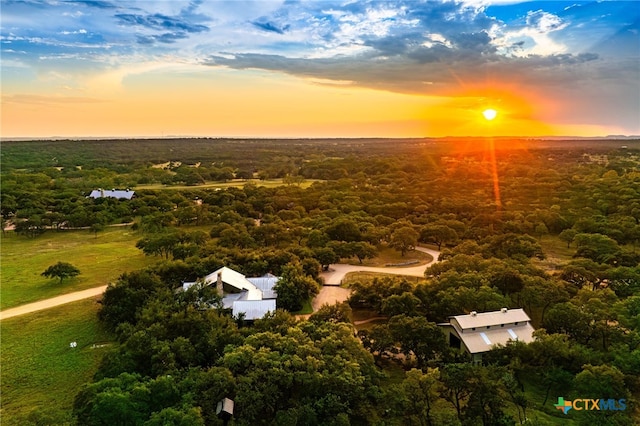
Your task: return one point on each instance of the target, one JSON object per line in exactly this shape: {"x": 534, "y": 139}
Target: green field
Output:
{"x": 101, "y": 260}
{"x": 556, "y": 251}
{"x": 388, "y": 256}
{"x": 365, "y": 276}
{"x": 41, "y": 373}
{"x": 236, "y": 183}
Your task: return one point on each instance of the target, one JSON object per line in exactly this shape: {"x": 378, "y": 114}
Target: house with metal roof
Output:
{"x": 120, "y": 194}
{"x": 254, "y": 297}
{"x": 477, "y": 333}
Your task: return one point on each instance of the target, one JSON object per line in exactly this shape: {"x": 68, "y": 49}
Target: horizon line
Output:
{"x": 173, "y": 137}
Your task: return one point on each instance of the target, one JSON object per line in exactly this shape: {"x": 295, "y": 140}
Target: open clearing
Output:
{"x": 40, "y": 371}
{"x": 236, "y": 183}
{"x": 101, "y": 260}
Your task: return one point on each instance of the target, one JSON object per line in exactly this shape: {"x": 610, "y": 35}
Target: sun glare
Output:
{"x": 490, "y": 114}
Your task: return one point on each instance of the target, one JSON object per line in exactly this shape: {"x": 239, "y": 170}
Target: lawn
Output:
{"x": 101, "y": 260}
{"x": 369, "y": 276}
{"x": 388, "y": 256}
{"x": 306, "y": 308}
{"x": 556, "y": 252}
{"x": 41, "y": 373}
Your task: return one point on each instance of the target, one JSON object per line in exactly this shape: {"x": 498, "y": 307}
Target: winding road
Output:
{"x": 330, "y": 293}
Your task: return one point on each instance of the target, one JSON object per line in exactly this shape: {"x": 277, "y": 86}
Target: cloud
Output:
{"x": 410, "y": 72}
{"x": 270, "y": 26}
{"x": 158, "y": 21}
{"x": 94, "y": 3}
{"x": 544, "y": 22}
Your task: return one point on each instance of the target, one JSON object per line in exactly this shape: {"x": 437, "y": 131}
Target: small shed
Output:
{"x": 224, "y": 410}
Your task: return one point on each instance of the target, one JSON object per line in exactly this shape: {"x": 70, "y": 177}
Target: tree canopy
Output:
{"x": 61, "y": 270}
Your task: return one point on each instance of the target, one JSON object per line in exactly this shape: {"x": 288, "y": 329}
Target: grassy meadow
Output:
{"x": 389, "y": 256}
{"x": 235, "y": 183}
{"x": 101, "y": 259}
{"x": 41, "y": 373}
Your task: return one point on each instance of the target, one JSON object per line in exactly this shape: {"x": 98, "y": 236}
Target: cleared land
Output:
{"x": 100, "y": 260}
{"x": 41, "y": 373}
{"x": 236, "y": 183}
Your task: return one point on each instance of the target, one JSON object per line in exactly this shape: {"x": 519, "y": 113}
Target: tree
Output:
{"x": 456, "y": 380}
{"x": 303, "y": 373}
{"x": 378, "y": 341}
{"x": 405, "y": 303}
{"x": 568, "y": 235}
{"x": 418, "y": 337}
{"x": 344, "y": 230}
{"x": 339, "y": 312}
{"x": 404, "y": 239}
{"x": 422, "y": 392}
{"x": 294, "y": 287}
{"x": 31, "y": 227}
{"x": 569, "y": 319}
{"x": 597, "y": 247}
{"x": 160, "y": 244}
{"x": 123, "y": 300}
{"x": 61, "y": 270}
{"x": 485, "y": 401}
{"x": 326, "y": 257}
{"x": 362, "y": 250}
{"x": 97, "y": 227}
{"x": 175, "y": 417}
{"x": 438, "y": 234}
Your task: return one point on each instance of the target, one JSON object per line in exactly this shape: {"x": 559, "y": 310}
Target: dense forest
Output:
{"x": 490, "y": 206}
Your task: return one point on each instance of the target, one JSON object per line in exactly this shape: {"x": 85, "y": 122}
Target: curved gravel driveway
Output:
{"x": 330, "y": 293}
{"x": 338, "y": 271}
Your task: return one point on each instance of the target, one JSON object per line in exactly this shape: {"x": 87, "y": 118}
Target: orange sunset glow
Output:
{"x": 321, "y": 70}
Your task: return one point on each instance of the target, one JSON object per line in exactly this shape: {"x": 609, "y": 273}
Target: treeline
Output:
{"x": 374, "y": 195}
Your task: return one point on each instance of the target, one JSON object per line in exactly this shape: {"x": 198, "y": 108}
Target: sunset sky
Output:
{"x": 319, "y": 68}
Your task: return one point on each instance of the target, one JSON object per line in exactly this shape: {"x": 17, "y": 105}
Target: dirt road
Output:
{"x": 331, "y": 294}
{"x": 338, "y": 271}
{"x": 50, "y": 303}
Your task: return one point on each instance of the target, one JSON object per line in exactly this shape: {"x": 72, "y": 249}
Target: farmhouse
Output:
{"x": 477, "y": 333}
{"x": 254, "y": 297}
{"x": 126, "y": 194}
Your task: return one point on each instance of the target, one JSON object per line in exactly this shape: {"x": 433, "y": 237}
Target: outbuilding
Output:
{"x": 477, "y": 333}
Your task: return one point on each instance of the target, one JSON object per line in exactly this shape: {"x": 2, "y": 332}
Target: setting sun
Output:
{"x": 490, "y": 114}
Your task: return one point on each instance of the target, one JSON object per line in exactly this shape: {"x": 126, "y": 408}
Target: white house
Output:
{"x": 126, "y": 194}
{"x": 253, "y": 297}
{"x": 477, "y": 333}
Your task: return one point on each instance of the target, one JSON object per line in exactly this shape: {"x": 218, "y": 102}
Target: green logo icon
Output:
{"x": 563, "y": 405}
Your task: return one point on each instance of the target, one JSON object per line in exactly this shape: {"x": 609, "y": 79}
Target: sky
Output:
{"x": 319, "y": 68}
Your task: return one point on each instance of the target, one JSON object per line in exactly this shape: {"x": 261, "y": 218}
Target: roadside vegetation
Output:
{"x": 556, "y": 235}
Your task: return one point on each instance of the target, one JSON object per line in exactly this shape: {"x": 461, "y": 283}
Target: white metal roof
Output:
{"x": 265, "y": 284}
{"x": 253, "y": 309}
{"x": 484, "y": 319}
{"x": 112, "y": 193}
{"x": 229, "y": 299}
{"x": 236, "y": 280}
{"x": 482, "y": 341}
